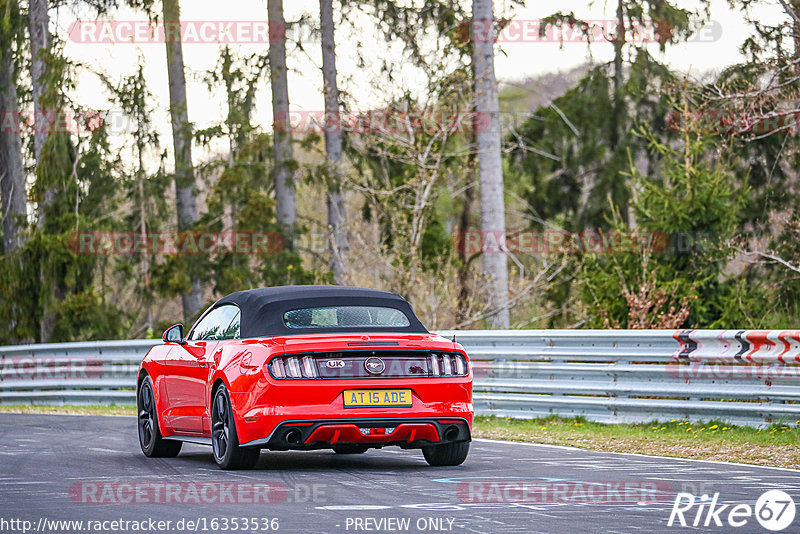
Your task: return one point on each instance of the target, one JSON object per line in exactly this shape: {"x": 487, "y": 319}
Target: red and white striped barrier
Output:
{"x": 739, "y": 346}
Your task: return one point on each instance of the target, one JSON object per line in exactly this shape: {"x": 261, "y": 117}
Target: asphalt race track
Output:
{"x": 90, "y": 469}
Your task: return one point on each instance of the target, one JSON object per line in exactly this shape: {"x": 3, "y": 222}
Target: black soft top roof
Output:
{"x": 262, "y": 309}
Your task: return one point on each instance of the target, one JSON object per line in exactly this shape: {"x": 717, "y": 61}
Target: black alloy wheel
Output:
{"x": 152, "y": 443}
{"x": 227, "y": 452}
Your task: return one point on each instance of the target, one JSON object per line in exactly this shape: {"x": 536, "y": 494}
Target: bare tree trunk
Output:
{"x": 39, "y": 22}
{"x": 283, "y": 172}
{"x": 182, "y": 141}
{"x": 12, "y": 173}
{"x": 619, "y": 41}
{"x": 40, "y": 43}
{"x": 618, "y": 110}
{"x": 333, "y": 146}
{"x": 793, "y": 10}
{"x": 490, "y": 164}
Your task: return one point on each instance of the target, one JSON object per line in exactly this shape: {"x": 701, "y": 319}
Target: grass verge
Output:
{"x": 776, "y": 446}
{"x": 113, "y": 409}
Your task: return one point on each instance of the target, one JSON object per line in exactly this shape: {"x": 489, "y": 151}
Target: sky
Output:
{"x": 715, "y": 47}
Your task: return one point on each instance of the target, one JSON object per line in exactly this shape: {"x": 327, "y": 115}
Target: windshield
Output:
{"x": 346, "y": 317}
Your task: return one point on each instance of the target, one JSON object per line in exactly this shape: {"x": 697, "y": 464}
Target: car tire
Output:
{"x": 224, "y": 441}
{"x": 446, "y": 454}
{"x": 150, "y": 439}
{"x": 348, "y": 448}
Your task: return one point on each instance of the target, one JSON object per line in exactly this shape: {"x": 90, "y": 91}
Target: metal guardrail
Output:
{"x": 741, "y": 377}
{"x": 94, "y": 372}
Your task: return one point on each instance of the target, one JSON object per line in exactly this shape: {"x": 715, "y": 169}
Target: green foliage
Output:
{"x": 11, "y": 26}
{"x": 573, "y": 154}
{"x": 552, "y": 157}
{"x": 240, "y": 201}
{"x": 675, "y": 275}
{"x": 19, "y": 295}
{"x": 48, "y": 279}
{"x": 82, "y": 185}
{"x": 605, "y": 155}
{"x": 85, "y": 316}
{"x": 563, "y": 159}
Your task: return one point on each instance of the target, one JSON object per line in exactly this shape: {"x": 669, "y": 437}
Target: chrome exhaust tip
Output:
{"x": 451, "y": 434}
{"x": 292, "y": 436}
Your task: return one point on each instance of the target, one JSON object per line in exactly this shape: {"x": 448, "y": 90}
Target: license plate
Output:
{"x": 377, "y": 398}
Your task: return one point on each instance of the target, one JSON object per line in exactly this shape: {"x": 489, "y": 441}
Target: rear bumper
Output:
{"x": 406, "y": 432}
{"x": 261, "y": 410}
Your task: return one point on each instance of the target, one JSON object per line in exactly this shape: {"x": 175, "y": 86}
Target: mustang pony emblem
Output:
{"x": 374, "y": 366}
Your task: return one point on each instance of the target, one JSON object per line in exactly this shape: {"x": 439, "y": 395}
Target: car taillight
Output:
{"x": 278, "y": 368}
{"x": 435, "y": 365}
{"x": 309, "y": 367}
{"x": 461, "y": 366}
{"x": 448, "y": 365}
{"x": 294, "y": 367}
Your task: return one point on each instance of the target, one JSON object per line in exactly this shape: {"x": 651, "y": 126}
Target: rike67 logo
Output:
{"x": 774, "y": 510}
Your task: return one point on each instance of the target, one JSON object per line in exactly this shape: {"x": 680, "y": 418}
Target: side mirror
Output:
{"x": 174, "y": 334}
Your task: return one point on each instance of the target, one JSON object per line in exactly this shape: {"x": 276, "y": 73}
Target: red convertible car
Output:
{"x": 301, "y": 368}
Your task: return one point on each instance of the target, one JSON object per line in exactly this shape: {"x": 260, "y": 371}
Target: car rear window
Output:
{"x": 346, "y": 317}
